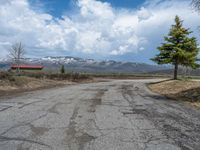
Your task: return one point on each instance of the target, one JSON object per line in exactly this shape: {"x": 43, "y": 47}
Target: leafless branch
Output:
{"x": 16, "y": 53}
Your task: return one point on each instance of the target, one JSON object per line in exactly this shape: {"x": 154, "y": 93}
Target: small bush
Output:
{"x": 62, "y": 70}
{"x": 5, "y": 75}
{"x": 37, "y": 75}
{"x": 11, "y": 79}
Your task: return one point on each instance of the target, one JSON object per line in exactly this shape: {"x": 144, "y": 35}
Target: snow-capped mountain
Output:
{"x": 87, "y": 65}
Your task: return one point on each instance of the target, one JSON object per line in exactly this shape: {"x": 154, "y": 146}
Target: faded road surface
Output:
{"x": 114, "y": 115}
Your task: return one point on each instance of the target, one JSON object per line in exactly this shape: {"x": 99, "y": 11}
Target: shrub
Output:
{"x": 5, "y": 75}
{"x": 62, "y": 70}
{"x": 53, "y": 76}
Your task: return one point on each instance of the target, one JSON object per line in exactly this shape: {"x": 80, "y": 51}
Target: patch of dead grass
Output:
{"x": 23, "y": 83}
{"x": 196, "y": 104}
{"x": 179, "y": 90}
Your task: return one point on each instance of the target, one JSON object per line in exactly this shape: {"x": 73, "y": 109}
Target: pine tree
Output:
{"x": 62, "y": 70}
{"x": 178, "y": 48}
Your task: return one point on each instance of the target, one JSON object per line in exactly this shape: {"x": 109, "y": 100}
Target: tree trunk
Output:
{"x": 18, "y": 67}
{"x": 175, "y": 70}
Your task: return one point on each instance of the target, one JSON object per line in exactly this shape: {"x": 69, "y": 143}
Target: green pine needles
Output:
{"x": 178, "y": 48}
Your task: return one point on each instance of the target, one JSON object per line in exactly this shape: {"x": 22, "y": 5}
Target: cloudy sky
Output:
{"x": 126, "y": 30}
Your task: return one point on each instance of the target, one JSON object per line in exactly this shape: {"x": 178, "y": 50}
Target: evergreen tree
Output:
{"x": 178, "y": 48}
{"x": 62, "y": 70}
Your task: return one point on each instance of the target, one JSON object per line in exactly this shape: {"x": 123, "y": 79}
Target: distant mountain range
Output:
{"x": 87, "y": 65}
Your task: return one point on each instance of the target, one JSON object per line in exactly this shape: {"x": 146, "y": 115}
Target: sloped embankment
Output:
{"x": 18, "y": 84}
{"x": 179, "y": 90}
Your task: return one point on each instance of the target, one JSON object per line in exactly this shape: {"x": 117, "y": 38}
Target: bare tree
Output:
{"x": 196, "y": 4}
{"x": 16, "y": 53}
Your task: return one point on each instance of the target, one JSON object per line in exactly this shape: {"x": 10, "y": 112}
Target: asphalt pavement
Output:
{"x": 112, "y": 115}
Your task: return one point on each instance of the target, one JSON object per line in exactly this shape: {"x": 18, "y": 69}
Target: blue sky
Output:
{"x": 58, "y": 7}
{"x": 54, "y": 7}
{"x": 125, "y": 3}
{"x": 125, "y": 30}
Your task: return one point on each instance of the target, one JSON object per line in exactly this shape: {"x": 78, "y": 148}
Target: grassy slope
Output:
{"x": 179, "y": 90}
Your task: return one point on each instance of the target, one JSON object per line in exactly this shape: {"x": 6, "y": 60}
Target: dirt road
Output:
{"x": 114, "y": 115}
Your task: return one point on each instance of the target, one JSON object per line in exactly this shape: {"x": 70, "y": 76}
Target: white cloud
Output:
{"x": 144, "y": 13}
{"x": 98, "y": 28}
{"x": 95, "y": 9}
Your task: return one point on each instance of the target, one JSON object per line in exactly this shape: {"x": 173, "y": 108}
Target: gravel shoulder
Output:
{"x": 111, "y": 115}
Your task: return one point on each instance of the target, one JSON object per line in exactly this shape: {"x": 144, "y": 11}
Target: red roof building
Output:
{"x": 27, "y": 67}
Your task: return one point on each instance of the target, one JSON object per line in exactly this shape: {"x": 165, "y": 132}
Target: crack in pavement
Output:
{"x": 4, "y": 108}
{"x": 76, "y": 139}
{"x": 129, "y": 94}
{"x": 27, "y": 104}
{"x": 97, "y": 100}
{"x": 27, "y": 123}
{"x": 163, "y": 122}
{"x": 4, "y": 138}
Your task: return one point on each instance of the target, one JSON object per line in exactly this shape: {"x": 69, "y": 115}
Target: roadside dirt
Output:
{"x": 24, "y": 84}
{"x": 188, "y": 91}
{"x": 19, "y": 85}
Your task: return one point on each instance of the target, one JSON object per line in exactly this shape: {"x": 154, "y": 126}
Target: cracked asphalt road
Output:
{"x": 114, "y": 115}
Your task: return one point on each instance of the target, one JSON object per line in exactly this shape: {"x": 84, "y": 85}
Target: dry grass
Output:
{"x": 11, "y": 83}
{"x": 179, "y": 90}
{"x": 196, "y": 104}
{"x": 23, "y": 83}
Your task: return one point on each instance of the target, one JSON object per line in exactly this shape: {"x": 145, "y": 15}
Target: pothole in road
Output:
{"x": 97, "y": 100}
{"x": 38, "y": 130}
{"x": 83, "y": 139}
{"x": 134, "y": 111}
